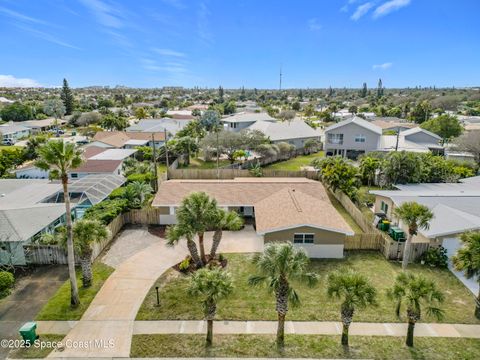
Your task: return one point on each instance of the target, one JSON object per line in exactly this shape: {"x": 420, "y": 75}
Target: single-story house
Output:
{"x": 32, "y": 207}
{"x": 124, "y": 139}
{"x": 455, "y": 206}
{"x": 172, "y": 126}
{"x": 283, "y": 209}
{"x": 243, "y": 120}
{"x": 296, "y": 132}
{"x": 37, "y": 126}
{"x": 13, "y": 132}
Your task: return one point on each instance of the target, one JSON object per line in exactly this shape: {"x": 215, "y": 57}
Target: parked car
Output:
{"x": 8, "y": 142}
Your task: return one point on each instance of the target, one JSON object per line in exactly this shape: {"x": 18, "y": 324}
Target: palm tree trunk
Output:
{"x": 406, "y": 252}
{"x": 192, "y": 248}
{"x": 281, "y": 330}
{"x": 217, "y": 237}
{"x": 411, "y": 328}
{"x": 209, "y": 332}
{"x": 86, "y": 263}
{"x": 202, "y": 248}
{"x": 74, "y": 298}
{"x": 345, "y": 335}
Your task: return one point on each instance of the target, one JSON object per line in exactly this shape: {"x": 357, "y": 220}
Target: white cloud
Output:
{"x": 203, "y": 24}
{"x": 389, "y": 7}
{"x": 105, "y": 14}
{"x": 361, "y": 10}
{"x": 168, "y": 52}
{"x": 314, "y": 25}
{"x": 383, "y": 66}
{"x": 12, "y": 81}
{"x": 175, "y": 3}
{"x": 47, "y": 37}
{"x": 21, "y": 17}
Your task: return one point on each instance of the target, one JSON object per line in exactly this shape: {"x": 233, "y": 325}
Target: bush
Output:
{"x": 6, "y": 283}
{"x": 147, "y": 177}
{"x": 107, "y": 210}
{"x": 118, "y": 193}
{"x": 436, "y": 257}
{"x": 184, "y": 265}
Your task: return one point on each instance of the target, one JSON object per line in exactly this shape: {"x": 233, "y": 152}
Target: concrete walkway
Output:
{"x": 291, "y": 327}
{"x": 111, "y": 315}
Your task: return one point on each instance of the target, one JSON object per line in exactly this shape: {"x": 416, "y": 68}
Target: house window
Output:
{"x": 74, "y": 175}
{"x": 303, "y": 238}
{"x": 335, "y": 139}
{"x": 360, "y": 138}
{"x": 384, "y": 207}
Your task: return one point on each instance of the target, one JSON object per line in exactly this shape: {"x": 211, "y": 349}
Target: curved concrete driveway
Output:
{"x": 106, "y": 328}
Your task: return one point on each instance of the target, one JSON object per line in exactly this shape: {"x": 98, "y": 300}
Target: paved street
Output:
{"x": 112, "y": 313}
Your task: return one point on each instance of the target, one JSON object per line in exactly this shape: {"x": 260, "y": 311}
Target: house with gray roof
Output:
{"x": 171, "y": 126}
{"x": 239, "y": 121}
{"x": 456, "y": 210}
{"x": 295, "y": 132}
{"x": 13, "y": 132}
{"x": 32, "y": 207}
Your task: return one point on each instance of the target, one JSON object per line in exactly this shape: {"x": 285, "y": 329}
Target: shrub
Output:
{"x": 436, "y": 257}
{"x": 6, "y": 283}
{"x": 184, "y": 265}
{"x": 118, "y": 193}
{"x": 107, "y": 210}
{"x": 147, "y": 177}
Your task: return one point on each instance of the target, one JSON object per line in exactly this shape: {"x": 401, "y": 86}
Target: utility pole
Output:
{"x": 280, "y": 87}
{"x": 154, "y": 154}
{"x": 398, "y": 135}
{"x": 166, "y": 151}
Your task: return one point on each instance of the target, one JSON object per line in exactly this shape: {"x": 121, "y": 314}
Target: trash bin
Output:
{"x": 384, "y": 225}
{"x": 28, "y": 332}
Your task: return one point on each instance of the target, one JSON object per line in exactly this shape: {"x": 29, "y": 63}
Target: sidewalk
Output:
{"x": 270, "y": 327}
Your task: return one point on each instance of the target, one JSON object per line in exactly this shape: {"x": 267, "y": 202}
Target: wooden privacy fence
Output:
{"x": 45, "y": 254}
{"x": 363, "y": 242}
{"x": 229, "y": 174}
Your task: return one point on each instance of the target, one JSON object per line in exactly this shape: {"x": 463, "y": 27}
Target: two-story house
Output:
{"x": 352, "y": 137}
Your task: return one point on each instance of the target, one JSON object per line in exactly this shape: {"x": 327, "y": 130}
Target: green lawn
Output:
{"x": 247, "y": 303}
{"x": 205, "y": 165}
{"x": 304, "y": 346}
{"x": 35, "y": 351}
{"x": 58, "y": 307}
{"x": 296, "y": 163}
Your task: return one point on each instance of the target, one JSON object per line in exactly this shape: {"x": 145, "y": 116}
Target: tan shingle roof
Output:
{"x": 290, "y": 207}
{"x": 279, "y": 202}
{"x": 119, "y": 138}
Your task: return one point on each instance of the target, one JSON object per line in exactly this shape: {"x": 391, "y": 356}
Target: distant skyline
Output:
{"x": 208, "y": 43}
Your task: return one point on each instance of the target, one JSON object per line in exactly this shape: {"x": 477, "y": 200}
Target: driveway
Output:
{"x": 31, "y": 292}
{"x": 110, "y": 317}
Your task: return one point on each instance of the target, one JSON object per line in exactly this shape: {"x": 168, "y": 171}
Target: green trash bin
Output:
{"x": 28, "y": 332}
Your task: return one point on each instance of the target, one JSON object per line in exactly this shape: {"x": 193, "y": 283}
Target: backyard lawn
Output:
{"x": 201, "y": 164}
{"x": 296, "y": 163}
{"x": 346, "y": 216}
{"x": 58, "y": 307}
{"x": 247, "y": 303}
{"x": 304, "y": 346}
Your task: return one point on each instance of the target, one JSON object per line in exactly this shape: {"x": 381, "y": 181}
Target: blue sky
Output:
{"x": 318, "y": 43}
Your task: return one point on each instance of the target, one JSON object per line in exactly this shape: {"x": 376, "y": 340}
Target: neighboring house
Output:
{"x": 393, "y": 124}
{"x": 455, "y": 206}
{"x": 356, "y": 136}
{"x": 32, "y": 207}
{"x": 352, "y": 137}
{"x": 123, "y": 139}
{"x": 283, "y": 209}
{"x": 172, "y": 126}
{"x": 37, "y": 126}
{"x": 240, "y": 121}
{"x": 295, "y": 132}
{"x": 13, "y": 132}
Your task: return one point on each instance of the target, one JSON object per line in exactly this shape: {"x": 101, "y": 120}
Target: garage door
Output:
{"x": 452, "y": 245}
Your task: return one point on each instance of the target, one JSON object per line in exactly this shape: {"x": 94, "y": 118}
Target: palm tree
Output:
{"x": 177, "y": 232}
{"x": 224, "y": 220}
{"x": 355, "y": 291}
{"x": 278, "y": 266}
{"x": 416, "y": 292}
{"x": 210, "y": 285}
{"x": 415, "y": 216}
{"x": 141, "y": 190}
{"x": 86, "y": 233}
{"x": 467, "y": 259}
{"x": 197, "y": 211}
{"x": 60, "y": 158}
